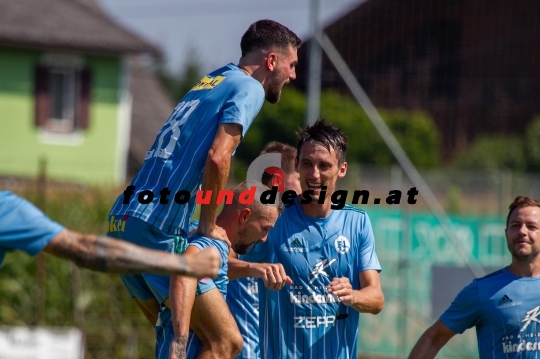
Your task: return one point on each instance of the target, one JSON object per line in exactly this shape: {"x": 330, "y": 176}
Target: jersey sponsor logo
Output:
{"x": 295, "y": 246}
{"x": 523, "y": 346}
{"x": 314, "y": 322}
{"x": 342, "y": 244}
{"x": 319, "y": 268}
{"x": 506, "y": 301}
{"x": 252, "y": 286}
{"x": 532, "y": 316}
{"x": 208, "y": 83}
{"x": 117, "y": 225}
{"x": 312, "y": 298}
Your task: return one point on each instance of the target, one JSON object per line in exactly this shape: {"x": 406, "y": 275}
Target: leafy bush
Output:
{"x": 415, "y": 131}
{"x": 494, "y": 152}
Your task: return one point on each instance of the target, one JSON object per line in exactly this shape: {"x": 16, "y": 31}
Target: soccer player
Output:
{"x": 329, "y": 255}
{"x": 504, "y": 306}
{"x": 213, "y": 330}
{"x": 26, "y": 228}
{"x": 194, "y": 149}
{"x": 242, "y": 293}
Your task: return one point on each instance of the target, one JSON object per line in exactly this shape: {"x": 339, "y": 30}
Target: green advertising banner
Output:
{"x": 410, "y": 246}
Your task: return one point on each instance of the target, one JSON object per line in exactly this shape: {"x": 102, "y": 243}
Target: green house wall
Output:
{"x": 95, "y": 159}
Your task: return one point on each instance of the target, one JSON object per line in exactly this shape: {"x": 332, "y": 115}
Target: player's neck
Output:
{"x": 227, "y": 224}
{"x": 314, "y": 209}
{"x": 525, "y": 268}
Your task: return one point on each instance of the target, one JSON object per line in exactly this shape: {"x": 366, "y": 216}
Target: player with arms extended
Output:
{"x": 329, "y": 255}
{"x": 194, "y": 149}
{"x": 504, "y": 306}
{"x": 24, "y": 227}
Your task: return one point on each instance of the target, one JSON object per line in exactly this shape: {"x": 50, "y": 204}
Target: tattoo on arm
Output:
{"x": 178, "y": 347}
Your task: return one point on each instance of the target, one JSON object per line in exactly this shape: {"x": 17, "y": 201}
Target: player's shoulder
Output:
{"x": 202, "y": 242}
{"x": 491, "y": 276}
{"x": 348, "y": 208}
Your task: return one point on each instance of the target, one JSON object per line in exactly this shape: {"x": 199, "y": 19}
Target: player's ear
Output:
{"x": 271, "y": 61}
{"x": 245, "y": 213}
{"x": 342, "y": 170}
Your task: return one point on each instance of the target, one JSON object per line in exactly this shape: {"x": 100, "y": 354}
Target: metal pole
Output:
{"x": 314, "y": 69}
{"x": 398, "y": 152}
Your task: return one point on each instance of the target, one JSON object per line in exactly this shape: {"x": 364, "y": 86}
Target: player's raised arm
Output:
{"x": 106, "y": 254}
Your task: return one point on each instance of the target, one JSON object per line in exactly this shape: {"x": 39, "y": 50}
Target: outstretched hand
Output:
{"x": 272, "y": 274}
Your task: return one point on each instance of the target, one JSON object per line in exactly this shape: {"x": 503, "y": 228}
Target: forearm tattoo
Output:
{"x": 178, "y": 347}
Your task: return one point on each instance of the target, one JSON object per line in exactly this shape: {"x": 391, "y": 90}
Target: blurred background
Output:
{"x": 441, "y": 95}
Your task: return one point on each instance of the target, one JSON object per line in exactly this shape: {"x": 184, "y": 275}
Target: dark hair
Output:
{"x": 265, "y": 34}
{"x": 326, "y": 135}
{"x": 520, "y": 202}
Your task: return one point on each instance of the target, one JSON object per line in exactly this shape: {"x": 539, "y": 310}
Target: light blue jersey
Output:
{"x": 23, "y": 226}
{"x": 164, "y": 328}
{"x": 243, "y": 301}
{"x": 176, "y": 160}
{"x": 506, "y": 312}
{"x": 303, "y": 320}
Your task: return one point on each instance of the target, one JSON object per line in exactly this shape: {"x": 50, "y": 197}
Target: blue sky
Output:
{"x": 210, "y": 30}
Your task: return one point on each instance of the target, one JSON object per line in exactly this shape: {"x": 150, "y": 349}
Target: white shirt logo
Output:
{"x": 531, "y": 317}
{"x": 319, "y": 269}
{"x": 342, "y": 244}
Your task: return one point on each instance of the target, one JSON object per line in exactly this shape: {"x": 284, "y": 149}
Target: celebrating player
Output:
{"x": 242, "y": 293}
{"x": 195, "y": 146}
{"x": 329, "y": 255}
{"x": 24, "y": 227}
{"x": 504, "y": 306}
{"x": 214, "y": 331}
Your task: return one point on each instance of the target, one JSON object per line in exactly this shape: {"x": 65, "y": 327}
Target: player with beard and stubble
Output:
{"x": 213, "y": 330}
{"x": 242, "y": 293}
{"x": 193, "y": 151}
{"x": 504, "y": 306}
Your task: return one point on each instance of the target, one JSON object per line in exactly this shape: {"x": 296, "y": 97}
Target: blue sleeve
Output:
{"x": 367, "y": 258}
{"x": 244, "y": 104}
{"x": 464, "y": 312}
{"x": 23, "y": 226}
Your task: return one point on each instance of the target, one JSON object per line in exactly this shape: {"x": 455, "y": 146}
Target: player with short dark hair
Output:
{"x": 504, "y": 306}
{"x": 328, "y": 254}
{"x": 24, "y": 227}
{"x": 193, "y": 150}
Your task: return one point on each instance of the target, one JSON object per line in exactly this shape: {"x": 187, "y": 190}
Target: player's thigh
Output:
{"x": 150, "y": 309}
{"x": 211, "y": 319}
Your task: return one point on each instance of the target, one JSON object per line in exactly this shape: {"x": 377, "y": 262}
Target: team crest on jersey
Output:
{"x": 342, "y": 244}
{"x": 208, "y": 83}
{"x": 296, "y": 246}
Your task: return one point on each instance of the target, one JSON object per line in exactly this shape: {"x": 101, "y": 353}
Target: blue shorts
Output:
{"x": 145, "y": 286}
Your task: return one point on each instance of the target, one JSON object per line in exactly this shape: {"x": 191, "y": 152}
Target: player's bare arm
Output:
{"x": 368, "y": 299}
{"x": 106, "y": 254}
{"x": 181, "y": 298}
{"x": 432, "y": 341}
{"x": 216, "y": 172}
{"x": 272, "y": 274}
